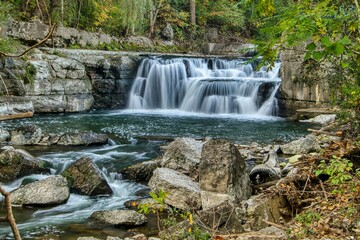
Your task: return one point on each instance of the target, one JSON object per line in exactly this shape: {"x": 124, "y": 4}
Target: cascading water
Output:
{"x": 205, "y": 85}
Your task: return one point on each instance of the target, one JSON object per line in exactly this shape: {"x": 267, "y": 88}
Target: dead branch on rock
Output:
{"x": 51, "y": 31}
{"x": 9, "y": 214}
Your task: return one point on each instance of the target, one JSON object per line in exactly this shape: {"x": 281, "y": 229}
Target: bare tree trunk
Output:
{"x": 9, "y": 215}
{"x": 192, "y": 12}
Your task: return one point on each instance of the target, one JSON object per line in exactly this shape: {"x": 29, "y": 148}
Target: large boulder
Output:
{"x": 85, "y": 178}
{"x": 182, "y": 191}
{"x": 301, "y": 146}
{"x": 83, "y": 138}
{"x": 253, "y": 212}
{"x": 119, "y": 217}
{"x": 15, "y": 164}
{"x": 223, "y": 170}
{"x": 50, "y": 191}
{"x": 141, "y": 171}
{"x": 183, "y": 155}
{"x": 26, "y": 135}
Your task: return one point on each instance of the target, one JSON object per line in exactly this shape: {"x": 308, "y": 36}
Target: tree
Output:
{"x": 193, "y": 12}
{"x": 331, "y": 31}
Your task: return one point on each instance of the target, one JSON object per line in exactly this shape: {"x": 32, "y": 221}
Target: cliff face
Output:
{"x": 303, "y": 86}
{"x": 70, "y": 80}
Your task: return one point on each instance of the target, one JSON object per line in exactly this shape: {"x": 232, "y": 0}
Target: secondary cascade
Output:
{"x": 212, "y": 86}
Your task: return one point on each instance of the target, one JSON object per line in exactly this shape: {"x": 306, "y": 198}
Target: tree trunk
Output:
{"x": 192, "y": 12}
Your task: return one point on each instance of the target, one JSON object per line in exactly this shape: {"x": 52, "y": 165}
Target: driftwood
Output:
{"x": 17, "y": 115}
{"x": 9, "y": 215}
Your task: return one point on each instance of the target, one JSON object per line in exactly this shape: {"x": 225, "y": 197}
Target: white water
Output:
{"x": 203, "y": 86}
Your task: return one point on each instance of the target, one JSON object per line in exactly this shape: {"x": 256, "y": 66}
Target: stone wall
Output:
{"x": 60, "y": 80}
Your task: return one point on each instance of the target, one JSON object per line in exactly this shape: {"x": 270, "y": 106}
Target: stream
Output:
{"x": 136, "y": 136}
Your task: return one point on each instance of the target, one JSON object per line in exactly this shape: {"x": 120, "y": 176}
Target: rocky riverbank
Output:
{"x": 230, "y": 191}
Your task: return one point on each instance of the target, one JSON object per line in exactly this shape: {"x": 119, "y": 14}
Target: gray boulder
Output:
{"x": 141, "y": 171}
{"x": 18, "y": 163}
{"x": 322, "y": 119}
{"x": 83, "y": 138}
{"x": 26, "y": 135}
{"x": 223, "y": 170}
{"x": 301, "y": 146}
{"x": 4, "y": 135}
{"x": 119, "y": 217}
{"x": 50, "y": 191}
{"x": 182, "y": 192}
{"x": 168, "y": 32}
{"x": 183, "y": 155}
{"x": 85, "y": 178}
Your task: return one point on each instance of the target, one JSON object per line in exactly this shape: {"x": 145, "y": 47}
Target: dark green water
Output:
{"x": 135, "y": 137}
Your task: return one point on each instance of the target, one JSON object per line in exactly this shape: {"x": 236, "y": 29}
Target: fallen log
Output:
{"x": 17, "y": 115}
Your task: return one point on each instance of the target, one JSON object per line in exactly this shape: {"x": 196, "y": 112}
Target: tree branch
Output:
{"x": 9, "y": 214}
{"x": 2, "y": 54}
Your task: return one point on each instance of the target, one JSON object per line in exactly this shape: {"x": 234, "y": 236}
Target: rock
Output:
{"x": 140, "y": 41}
{"x": 139, "y": 236}
{"x": 10, "y": 105}
{"x": 223, "y": 170}
{"x": 4, "y": 135}
{"x": 83, "y": 138}
{"x": 182, "y": 192}
{"x": 222, "y": 218}
{"x": 183, "y": 155}
{"x": 269, "y": 233}
{"x": 322, "y": 119}
{"x": 50, "y": 191}
{"x": 141, "y": 171}
{"x": 85, "y": 177}
{"x": 15, "y": 164}
{"x": 168, "y": 32}
{"x": 26, "y": 135}
{"x": 262, "y": 207}
{"x": 212, "y": 34}
{"x": 301, "y": 146}
{"x": 87, "y": 238}
{"x": 212, "y": 199}
{"x": 134, "y": 204}
{"x": 119, "y": 217}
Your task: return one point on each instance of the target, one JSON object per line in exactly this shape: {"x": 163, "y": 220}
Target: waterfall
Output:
{"x": 213, "y": 86}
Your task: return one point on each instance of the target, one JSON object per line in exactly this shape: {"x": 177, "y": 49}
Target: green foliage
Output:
{"x": 338, "y": 170}
{"x": 30, "y": 73}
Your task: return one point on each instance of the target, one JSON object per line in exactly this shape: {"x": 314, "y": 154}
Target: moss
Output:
{"x": 30, "y": 73}
{"x": 68, "y": 177}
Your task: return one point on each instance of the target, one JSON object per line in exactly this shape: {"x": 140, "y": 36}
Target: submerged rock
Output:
{"x": 85, "y": 178}
{"x": 119, "y": 217}
{"x": 222, "y": 170}
{"x": 183, "y": 155}
{"x": 182, "y": 191}
{"x": 18, "y": 163}
{"x": 83, "y": 138}
{"x": 26, "y": 135}
{"x": 50, "y": 191}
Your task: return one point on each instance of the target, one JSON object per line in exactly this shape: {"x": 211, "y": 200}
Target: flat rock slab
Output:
{"x": 50, "y": 191}
{"x": 119, "y": 217}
